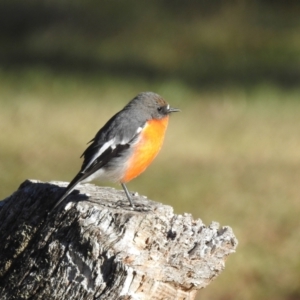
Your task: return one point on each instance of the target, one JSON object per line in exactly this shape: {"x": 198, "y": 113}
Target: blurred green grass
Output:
{"x": 232, "y": 156}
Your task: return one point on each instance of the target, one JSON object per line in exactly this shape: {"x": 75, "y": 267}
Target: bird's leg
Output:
{"x": 127, "y": 194}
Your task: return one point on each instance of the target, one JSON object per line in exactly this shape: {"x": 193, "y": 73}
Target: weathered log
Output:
{"x": 94, "y": 246}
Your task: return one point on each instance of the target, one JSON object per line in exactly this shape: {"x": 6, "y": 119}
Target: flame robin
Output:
{"x": 127, "y": 144}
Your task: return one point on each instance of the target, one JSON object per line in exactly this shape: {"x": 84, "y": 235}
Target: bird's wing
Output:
{"x": 106, "y": 145}
{"x": 99, "y": 153}
{"x": 97, "y": 164}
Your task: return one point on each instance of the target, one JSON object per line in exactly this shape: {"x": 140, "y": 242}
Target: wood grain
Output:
{"x": 94, "y": 246}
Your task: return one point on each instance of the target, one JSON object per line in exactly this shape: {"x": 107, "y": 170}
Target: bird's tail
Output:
{"x": 79, "y": 177}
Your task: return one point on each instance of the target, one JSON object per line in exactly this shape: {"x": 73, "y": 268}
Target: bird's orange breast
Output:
{"x": 150, "y": 142}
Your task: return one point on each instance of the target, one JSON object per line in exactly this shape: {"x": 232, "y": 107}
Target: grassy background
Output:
{"x": 232, "y": 154}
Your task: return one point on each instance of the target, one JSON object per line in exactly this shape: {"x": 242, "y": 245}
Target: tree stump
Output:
{"x": 94, "y": 246}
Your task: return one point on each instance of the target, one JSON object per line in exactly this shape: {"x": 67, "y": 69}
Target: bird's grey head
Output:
{"x": 152, "y": 104}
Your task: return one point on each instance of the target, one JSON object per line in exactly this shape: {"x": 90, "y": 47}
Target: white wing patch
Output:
{"x": 110, "y": 143}
{"x": 139, "y": 130}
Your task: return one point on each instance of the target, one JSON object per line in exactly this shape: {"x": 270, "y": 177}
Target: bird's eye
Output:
{"x": 159, "y": 108}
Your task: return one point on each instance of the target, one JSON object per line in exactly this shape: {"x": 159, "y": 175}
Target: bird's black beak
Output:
{"x": 172, "y": 109}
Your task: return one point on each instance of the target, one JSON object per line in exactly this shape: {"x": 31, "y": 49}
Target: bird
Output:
{"x": 126, "y": 145}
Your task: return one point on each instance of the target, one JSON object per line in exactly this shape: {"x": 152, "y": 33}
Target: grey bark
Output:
{"x": 94, "y": 246}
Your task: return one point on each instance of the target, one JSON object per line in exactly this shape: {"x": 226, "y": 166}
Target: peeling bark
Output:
{"x": 94, "y": 246}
